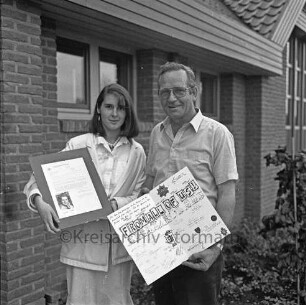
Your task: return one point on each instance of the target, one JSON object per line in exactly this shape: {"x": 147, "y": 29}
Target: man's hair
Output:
{"x": 174, "y": 66}
{"x": 130, "y": 127}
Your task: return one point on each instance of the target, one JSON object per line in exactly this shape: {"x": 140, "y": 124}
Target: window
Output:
{"x": 115, "y": 67}
{"x": 85, "y": 65}
{"x": 296, "y": 97}
{"x": 208, "y": 95}
{"x": 72, "y": 74}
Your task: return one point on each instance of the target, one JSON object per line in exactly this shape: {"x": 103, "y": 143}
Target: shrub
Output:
{"x": 290, "y": 215}
{"x": 251, "y": 273}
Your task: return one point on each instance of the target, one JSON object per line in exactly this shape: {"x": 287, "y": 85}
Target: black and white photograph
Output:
{"x": 104, "y": 104}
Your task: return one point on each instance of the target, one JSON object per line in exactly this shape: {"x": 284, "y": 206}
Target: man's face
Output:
{"x": 179, "y": 109}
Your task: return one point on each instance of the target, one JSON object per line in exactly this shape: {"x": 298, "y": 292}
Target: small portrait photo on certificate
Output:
{"x": 64, "y": 201}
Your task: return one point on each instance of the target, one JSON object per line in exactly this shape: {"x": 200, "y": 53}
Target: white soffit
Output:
{"x": 191, "y": 27}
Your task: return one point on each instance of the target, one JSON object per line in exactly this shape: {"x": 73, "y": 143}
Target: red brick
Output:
{"x": 15, "y": 139}
{"x": 32, "y": 260}
{"x": 19, "y": 234}
{"x": 30, "y": 128}
{"x": 8, "y": 45}
{"x": 26, "y": 48}
{"x": 12, "y": 56}
{"x": 28, "y": 29}
{"x": 30, "y": 70}
{"x": 35, "y": 298}
{"x": 16, "y": 118}
{"x": 32, "y": 109}
{"x": 31, "y": 241}
{"x": 16, "y": 98}
{"x": 17, "y": 293}
{"x": 16, "y": 78}
{"x": 35, "y": 90}
{"x": 30, "y": 149}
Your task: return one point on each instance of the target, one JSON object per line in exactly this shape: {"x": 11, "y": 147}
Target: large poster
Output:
{"x": 160, "y": 230}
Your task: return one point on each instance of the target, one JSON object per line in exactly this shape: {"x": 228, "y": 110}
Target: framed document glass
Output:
{"x": 70, "y": 182}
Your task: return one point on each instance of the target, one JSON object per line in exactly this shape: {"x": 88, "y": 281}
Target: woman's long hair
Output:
{"x": 130, "y": 127}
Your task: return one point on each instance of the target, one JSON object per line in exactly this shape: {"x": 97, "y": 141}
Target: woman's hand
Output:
{"x": 47, "y": 214}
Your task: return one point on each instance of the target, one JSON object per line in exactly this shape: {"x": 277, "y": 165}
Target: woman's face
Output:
{"x": 112, "y": 113}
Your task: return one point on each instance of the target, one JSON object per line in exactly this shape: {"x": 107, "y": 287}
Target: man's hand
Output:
{"x": 146, "y": 186}
{"x": 204, "y": 259}
{"x": 114, "y": 204}
{"x": 48, "y": 215}
{"x": 143, "y": 191}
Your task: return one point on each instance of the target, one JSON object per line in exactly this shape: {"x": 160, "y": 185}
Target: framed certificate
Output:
{"x": 70, "y": 183}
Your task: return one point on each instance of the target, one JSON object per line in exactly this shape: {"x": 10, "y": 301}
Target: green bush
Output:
{"x": 251, "y": 273}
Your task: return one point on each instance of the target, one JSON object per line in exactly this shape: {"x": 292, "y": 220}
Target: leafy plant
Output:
{"x": 289, "y": 215}
{"x": 251, "y": 274}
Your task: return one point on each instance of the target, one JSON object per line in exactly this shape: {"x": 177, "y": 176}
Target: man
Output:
{"x": 206, "y": 147}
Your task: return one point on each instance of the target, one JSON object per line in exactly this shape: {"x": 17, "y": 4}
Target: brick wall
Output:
{"x": 232, "y": 114}
{"x": 148, "y": 105}
{"x": 22, "y": 257}
{"x": 253, "y": 108}
{"x": 29, "y": 258}
{"x": 253, "y": 146}
{"x": 273, "y": 133}
{"x": 52, "y": 140}
{"x": 265, "y": 131}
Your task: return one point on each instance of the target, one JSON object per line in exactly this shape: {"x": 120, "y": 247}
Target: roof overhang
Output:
{"x": 181, "y": 26}
{"x": 292, "y": 15}
{"x": 301, "y": 24}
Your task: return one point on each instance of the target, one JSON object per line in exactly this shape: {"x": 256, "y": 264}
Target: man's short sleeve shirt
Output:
{"x": 204, "y": 145}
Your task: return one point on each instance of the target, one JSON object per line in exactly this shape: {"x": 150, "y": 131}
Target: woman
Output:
{"x": 99, "y": 270}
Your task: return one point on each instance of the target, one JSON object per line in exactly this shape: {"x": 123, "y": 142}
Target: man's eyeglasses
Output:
{"x": 177, "y": 91}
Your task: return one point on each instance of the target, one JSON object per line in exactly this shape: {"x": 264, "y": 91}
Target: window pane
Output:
{"x": 70, "y": 79}
{"x": 304, "y": 139}
{"x": 297, "y": 112}
{"x": 299, "y": 78}
{"x": 290, "y": 87}
{"x": 304, "y": 114}
{"x": 300, "y": 53}
{"x": 291, "y": 55}
{"x": 108, "y": 74}
{"x": 115, "y": 67}
{"x": 72, "y": 73}
{"x": 208, "y": 94}
{"x": 288, "y": 111}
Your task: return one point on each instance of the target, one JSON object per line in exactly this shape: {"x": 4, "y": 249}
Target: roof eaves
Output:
{"x": 301, "y": 22}
{"x": 287, "y": 21}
